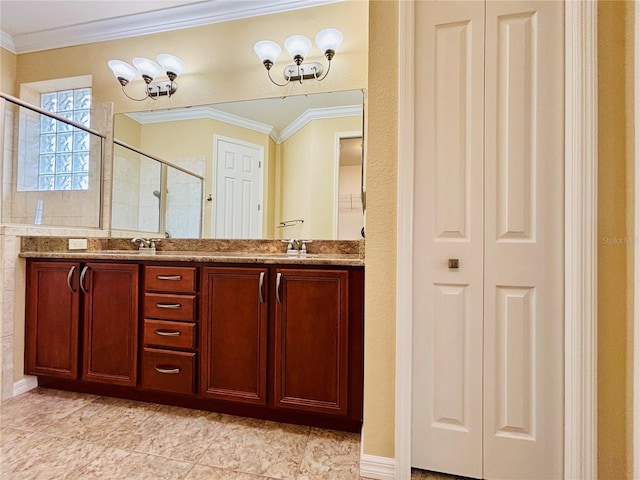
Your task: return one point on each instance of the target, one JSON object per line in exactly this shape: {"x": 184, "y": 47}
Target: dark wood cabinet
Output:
{"x": 311, "y": 332}
{"x": 52, "y": 319}
{"x": 101, "y": 298}
{"x": 234, "y": 334}
{"x": 110, "y": 323}
{"x": 279, "y": 342}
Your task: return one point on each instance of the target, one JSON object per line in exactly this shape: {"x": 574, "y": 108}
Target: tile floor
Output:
{"x": 52, "y": 434}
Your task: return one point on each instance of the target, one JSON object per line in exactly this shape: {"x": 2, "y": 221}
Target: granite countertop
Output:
{"x": 339, "y": 253}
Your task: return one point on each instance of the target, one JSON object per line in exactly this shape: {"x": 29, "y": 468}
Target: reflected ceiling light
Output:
{"x": 298, "y": 46}
{"x": 149, "y": 70}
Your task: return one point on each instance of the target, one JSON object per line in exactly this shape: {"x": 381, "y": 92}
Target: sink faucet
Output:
{"x": 293, "y": 246}
{"x": 146, "y": 244}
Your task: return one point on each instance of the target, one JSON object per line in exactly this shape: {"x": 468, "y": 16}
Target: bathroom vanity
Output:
{"x": 257, "y": 333}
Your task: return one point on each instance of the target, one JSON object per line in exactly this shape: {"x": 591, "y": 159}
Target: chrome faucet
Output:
{"x": 146, "y": 243}
{"x": 295, "y": 247}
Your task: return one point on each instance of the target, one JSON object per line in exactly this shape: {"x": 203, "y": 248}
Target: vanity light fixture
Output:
{"x": 149, "y": 70}
{"x": 298, "y": 46}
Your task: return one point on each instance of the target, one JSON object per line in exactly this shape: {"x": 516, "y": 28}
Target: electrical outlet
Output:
{"x": 77, "y": 244}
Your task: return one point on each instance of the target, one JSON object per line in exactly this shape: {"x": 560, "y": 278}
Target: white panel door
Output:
{"x": 524, "y": 221}
{"x": 488, "y": 336}
{"x": 238, "y": 188}
{"x": 447, "y": 348}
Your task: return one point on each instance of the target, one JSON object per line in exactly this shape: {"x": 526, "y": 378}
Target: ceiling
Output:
{"x": 35, "y": 25}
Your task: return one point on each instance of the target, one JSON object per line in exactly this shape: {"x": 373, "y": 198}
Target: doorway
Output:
{"x": 349, "y": 214}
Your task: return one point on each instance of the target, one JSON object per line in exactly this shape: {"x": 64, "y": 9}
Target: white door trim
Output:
{"x": 404, "y": 258}
{"x": 636, "y": 252}
{"x": 580, "y": 455}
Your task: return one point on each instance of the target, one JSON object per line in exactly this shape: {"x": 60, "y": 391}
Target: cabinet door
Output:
{"x": 52, "y": 317}
{"x": 234, "y": 334}
{"x": 110, "y": 323}
{"x": 311, "y": 340}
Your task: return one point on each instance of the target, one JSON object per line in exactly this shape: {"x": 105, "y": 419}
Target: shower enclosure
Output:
{"x": 155, "y": 197}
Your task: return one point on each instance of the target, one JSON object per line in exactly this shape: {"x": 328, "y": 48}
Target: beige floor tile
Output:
{"x": 258, "y": 447}
{"x": 41, "y": 407}
{"x": 171, "y": 432}
{"x": 45, "y": 457}
{"x": 118, "y": 464}
{"x": 202, "y": 472}
{"x": 101, "y": 418}
{"x": 331, "y": 455}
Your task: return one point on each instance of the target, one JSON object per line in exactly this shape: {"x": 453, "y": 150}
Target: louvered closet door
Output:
{"x": 488, "y": 336}
{"x": 447, "y": 348}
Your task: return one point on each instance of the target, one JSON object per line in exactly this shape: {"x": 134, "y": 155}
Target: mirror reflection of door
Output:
{"x": 350, "y": 217}
{"x": 238, "y": 188}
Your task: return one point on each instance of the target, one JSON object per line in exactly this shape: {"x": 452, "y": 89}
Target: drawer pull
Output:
{"x": 173, "y": 306}
{"x": 167, "y": 370}
{"x": 169, "y": 277}
{"x": 164, "y": 333}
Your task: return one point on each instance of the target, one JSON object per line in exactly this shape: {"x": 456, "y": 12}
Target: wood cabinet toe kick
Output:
{"x": 278, "y": 342}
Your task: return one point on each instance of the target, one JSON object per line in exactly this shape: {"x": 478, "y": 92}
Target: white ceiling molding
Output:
{"x": 6, "y": 42}
{"x": 194, "y": 113}
{"x": 183, "y": 16}
{"x": 211, "y": 113}
{"x": 319, "y": 114}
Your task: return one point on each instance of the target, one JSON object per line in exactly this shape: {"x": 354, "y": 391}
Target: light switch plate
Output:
{"x": 77, "y": 244}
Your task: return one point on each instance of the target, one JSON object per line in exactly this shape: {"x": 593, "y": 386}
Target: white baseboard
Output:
{"x": 24, "y": 385}
{"x": 378, "y": 468}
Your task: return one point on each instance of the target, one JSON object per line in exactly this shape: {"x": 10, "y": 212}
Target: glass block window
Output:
{"x": 64, "y": 150}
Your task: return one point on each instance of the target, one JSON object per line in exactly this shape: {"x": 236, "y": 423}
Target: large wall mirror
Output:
{"x": 270, "y": 168}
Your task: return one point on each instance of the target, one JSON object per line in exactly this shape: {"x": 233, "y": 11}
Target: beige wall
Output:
{"x": 612, "y": 232}
{"x": 8, "y": 62}
{"x": 380, "y": 274}
{"x": 307, "y": 178}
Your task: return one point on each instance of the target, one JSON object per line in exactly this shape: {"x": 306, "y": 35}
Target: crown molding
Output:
{"x": 194, "y": 113}
{"x": 319, "y": 114}
{"x": 6, "y": 42}
{"x": 182, "y": 16}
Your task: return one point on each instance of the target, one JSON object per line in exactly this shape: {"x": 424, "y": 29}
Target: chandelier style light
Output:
{"x": 149, "y": 70}
{"x": 298, "y": 46}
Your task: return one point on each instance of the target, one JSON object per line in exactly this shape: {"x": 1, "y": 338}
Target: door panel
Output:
{"x": 52, "y": 319}
{"x": 311, "y": 330}
{"x": 524, "y": 205}
{"x": 234, "y": 334}
{"x": 238, "y": 192}
{"x": 447, "y": 348}
{"x": 110, "y": 323}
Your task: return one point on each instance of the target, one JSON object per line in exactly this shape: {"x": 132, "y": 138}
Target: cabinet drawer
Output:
{"x": 168, "y": 371}
{"x": 170, "y": 279}
{"x": 164, "y": 333}
{"x": 169, "y": 307}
